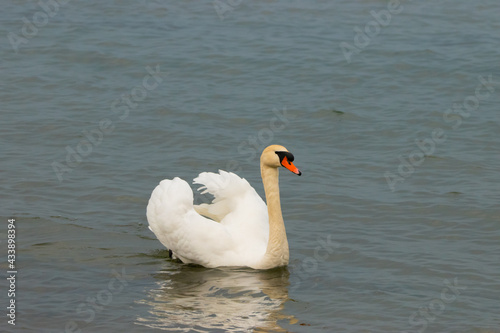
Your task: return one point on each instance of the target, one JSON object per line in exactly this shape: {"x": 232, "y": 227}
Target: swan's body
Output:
{"x": 237, "y": 229}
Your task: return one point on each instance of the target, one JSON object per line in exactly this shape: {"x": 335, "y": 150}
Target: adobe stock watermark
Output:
{"x": 308, "y": 266}
{"x": 249, "y": 150}
{"x": 120, "y": 108}
{"x": 88, "y": 310}
{"x": 39, "y": 20}
{"x": 363, "y": 38}
{"x": 420, "y": 319}
{"x": 223, "y": 7}
{"x": 452, "y": 116}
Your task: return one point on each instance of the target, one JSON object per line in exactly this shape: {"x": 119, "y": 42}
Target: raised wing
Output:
{"x": 235, "y": 234}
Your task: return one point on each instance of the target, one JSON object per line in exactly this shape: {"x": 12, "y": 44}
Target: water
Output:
{"x": 382, "y": 237}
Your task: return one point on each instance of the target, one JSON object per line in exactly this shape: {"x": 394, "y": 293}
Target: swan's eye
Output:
{"x": 283, "y": 154}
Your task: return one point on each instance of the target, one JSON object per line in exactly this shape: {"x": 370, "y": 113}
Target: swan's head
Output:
{"x": 276, "y": 156}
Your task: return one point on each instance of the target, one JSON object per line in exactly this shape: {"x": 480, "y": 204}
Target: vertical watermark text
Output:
{"x": 11, "y": 271}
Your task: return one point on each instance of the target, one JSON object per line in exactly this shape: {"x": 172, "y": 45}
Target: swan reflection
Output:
{"x": 197, "y": 299}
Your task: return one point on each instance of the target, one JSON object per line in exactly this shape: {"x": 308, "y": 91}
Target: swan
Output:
{"x": 236, "y": 229}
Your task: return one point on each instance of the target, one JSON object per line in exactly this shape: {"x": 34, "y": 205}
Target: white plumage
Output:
{"x": 236, "y": 229}
{"x": 236, "y": 234}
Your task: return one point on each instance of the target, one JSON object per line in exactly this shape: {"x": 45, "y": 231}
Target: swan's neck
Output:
{"x": 277, "y": 247}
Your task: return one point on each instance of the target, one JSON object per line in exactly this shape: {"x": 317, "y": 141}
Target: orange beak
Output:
{"x": 289, "y": 165}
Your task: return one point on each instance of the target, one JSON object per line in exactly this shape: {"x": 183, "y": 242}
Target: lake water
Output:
{"x": 391, "y": 111}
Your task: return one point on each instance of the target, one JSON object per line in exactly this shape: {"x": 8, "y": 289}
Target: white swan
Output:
{"x": 237, "y": 229}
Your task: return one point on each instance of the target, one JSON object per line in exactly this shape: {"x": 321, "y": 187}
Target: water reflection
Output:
{"x": 197, "y": 299}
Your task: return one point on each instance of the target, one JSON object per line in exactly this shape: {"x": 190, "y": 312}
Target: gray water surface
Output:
{"x": 393, "y": 226}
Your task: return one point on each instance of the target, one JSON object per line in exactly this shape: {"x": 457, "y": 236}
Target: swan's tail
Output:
{"x": 169, "y": 202}
{"x": 188, "y": 235}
